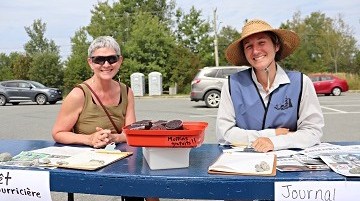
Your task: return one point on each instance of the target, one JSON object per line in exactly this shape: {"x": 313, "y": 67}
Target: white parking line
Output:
{"x": 341, "y": 112}
{"x": 345, "y": 105}
{"x": 200, "y": 116}
{"x": 328, "y": 108}
{"x": 205, "y": 108}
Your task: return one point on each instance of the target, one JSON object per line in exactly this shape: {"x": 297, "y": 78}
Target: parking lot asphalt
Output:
{"x": 31, "y": 121}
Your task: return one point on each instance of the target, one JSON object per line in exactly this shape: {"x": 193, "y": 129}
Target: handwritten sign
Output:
{"x": 182, "y": 141}
{"x": 317, "y": 190}
{"x": 19, "y": 185}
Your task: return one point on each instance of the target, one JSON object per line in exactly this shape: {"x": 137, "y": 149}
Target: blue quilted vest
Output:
{"x": 250, "y": 111}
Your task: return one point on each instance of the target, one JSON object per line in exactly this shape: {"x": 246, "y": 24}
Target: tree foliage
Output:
{"x": 150, "y": 45}
{"x": 226, "y": 36}
{"x": 194, "y": 34}
{"x": 153, "y": 36}
{"x": 47, "y": 69}
{"x": 326, "y": 44}
{"x": 41, "y": 61}
{"x": 21, "y": 64}
{"x": 77, "y": 69}
{"x": 5, "y": 69}
{"x": 38, "y": 43}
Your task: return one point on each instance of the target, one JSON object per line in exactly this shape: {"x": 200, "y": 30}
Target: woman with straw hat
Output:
{"x": 265, "y": 106}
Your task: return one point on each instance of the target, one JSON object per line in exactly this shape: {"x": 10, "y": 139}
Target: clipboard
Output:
{"x": 236, "y": 163}
{"x": 92, "y": 160}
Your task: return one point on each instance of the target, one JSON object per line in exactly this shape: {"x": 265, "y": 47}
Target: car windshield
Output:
{"x": 37, "y": 84}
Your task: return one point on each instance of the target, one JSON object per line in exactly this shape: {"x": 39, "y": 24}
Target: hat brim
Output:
{"x": 289, "y": 40}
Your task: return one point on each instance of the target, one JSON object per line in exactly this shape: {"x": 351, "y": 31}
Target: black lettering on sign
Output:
{"x": 15, "y": 191}
{"x": 5, "y": 177}
{"x": 302, "y": 194}
{"x": 180, "y": 141}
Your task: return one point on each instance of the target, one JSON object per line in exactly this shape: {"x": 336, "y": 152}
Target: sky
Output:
{"x": 64, "y": 17}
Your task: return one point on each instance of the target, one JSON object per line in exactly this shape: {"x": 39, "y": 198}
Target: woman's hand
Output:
{"x": 118, "y": 138}
{"x": 262, "y": 144}
{"x": 101, "y": 137}
{"x": 281, "y": 131}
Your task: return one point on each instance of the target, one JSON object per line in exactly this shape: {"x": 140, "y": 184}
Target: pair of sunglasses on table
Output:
{"x": 102, "y": 59}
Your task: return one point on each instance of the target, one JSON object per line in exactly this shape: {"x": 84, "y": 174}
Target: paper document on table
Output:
{"x": 347, "y": 164}
{"x": 244, "y": 163}
{"x": 66, "y": 157}
{"x": 327, "y": 148}
{"x": 293, "y": 164}
{"x": 91, "y": 160}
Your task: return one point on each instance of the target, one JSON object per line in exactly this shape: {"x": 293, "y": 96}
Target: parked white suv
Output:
{"x": 207, "y": 84}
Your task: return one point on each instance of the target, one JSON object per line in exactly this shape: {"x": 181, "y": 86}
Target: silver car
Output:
{"x": 16, "y": 91}
{"x": 207, "y": 84}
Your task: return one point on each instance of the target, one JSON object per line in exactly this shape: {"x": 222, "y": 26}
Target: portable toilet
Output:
{"x": 155, "y": 84}
{"x": 138, "y": 84}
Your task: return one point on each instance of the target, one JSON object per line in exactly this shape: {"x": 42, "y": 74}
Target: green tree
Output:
{"x": 340, "y": 45}
{"x": 355, "y": 67}
{"x": 226, "y": 36}
{"x": 45, "y": 65}
{"x": 77, "y": 69}
{"x": 194, "y": 33}
{"x": 116, "y": 20}
{"x": 21, "y": 63}
{"x": 5, "y": 67}
{"x": 141, "y": 28}
{"x": 38, "y": 43}
{"x": 149, "y": 46}
{"x": 46, "y": 68}
{"x": 326, "y": 44}
{"x": 184, "y": 66}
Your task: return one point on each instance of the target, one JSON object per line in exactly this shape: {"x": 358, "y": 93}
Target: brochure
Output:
{"x": 347, "y": 164}
{"x": 291, "y": 164}
{"x": 327, "y": 148}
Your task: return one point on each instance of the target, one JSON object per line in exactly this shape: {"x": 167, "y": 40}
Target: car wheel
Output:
{"x": 212, "y": 99}
{"x": 15, "y": 103}
{"x": 2, "y": 100}
{"x": 336, "y": 91}
{"x": 41, "y": 99}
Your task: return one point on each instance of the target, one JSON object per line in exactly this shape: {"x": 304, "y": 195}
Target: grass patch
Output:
{"x": 353, "y": 80}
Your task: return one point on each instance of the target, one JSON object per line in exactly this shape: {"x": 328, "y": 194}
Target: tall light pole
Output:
{"x": 216, "y": 41}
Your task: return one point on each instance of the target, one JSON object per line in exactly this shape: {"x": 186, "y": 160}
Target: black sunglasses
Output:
{"x": 102, "y": 59}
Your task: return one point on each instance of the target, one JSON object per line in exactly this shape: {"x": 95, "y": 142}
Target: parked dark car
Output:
{"x": 207, "y": 84}
{"x": 329, "y": 84}
{"x": 16, "y": 91}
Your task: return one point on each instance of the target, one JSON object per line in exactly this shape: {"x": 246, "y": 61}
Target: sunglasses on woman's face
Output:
{"x": 102, "y": 59}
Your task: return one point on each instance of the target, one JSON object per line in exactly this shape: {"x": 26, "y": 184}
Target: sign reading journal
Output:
{"x": 317, "y": 190}
{"x": 16, "y": 185}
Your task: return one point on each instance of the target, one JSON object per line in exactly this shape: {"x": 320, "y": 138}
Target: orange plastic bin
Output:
{"x": 192, "y": 135}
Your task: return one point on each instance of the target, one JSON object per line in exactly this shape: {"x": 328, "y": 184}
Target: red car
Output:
{"x": 329, "y": 84}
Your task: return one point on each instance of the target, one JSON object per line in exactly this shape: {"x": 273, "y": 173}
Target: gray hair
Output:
{"x": 104, "y": 41}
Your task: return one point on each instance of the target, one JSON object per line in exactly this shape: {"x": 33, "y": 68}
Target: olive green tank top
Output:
{"x": 93, "y": 115}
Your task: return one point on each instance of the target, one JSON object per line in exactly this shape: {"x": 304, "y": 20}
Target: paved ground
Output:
{"x": 31, "y": 121}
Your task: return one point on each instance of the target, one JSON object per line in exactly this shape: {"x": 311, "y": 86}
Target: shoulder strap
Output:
{"x": 107, "y": 113}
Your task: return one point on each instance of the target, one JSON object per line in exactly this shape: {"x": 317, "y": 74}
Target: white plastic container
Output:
{"x": 166, "y": 158}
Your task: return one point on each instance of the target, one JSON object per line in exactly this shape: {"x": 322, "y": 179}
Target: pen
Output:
{"x": 103, "y": 151}
{"x": 239, "y": 145}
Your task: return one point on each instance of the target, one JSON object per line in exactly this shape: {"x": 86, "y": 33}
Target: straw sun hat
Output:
{"x": 289, "y": 41}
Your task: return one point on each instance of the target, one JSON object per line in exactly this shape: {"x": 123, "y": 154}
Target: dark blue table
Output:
{"x": 133, "y": 177}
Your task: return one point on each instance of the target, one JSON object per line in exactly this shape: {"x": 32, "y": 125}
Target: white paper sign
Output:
{"x": 317, "y": 190}
{"x": 19, "y": 185}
